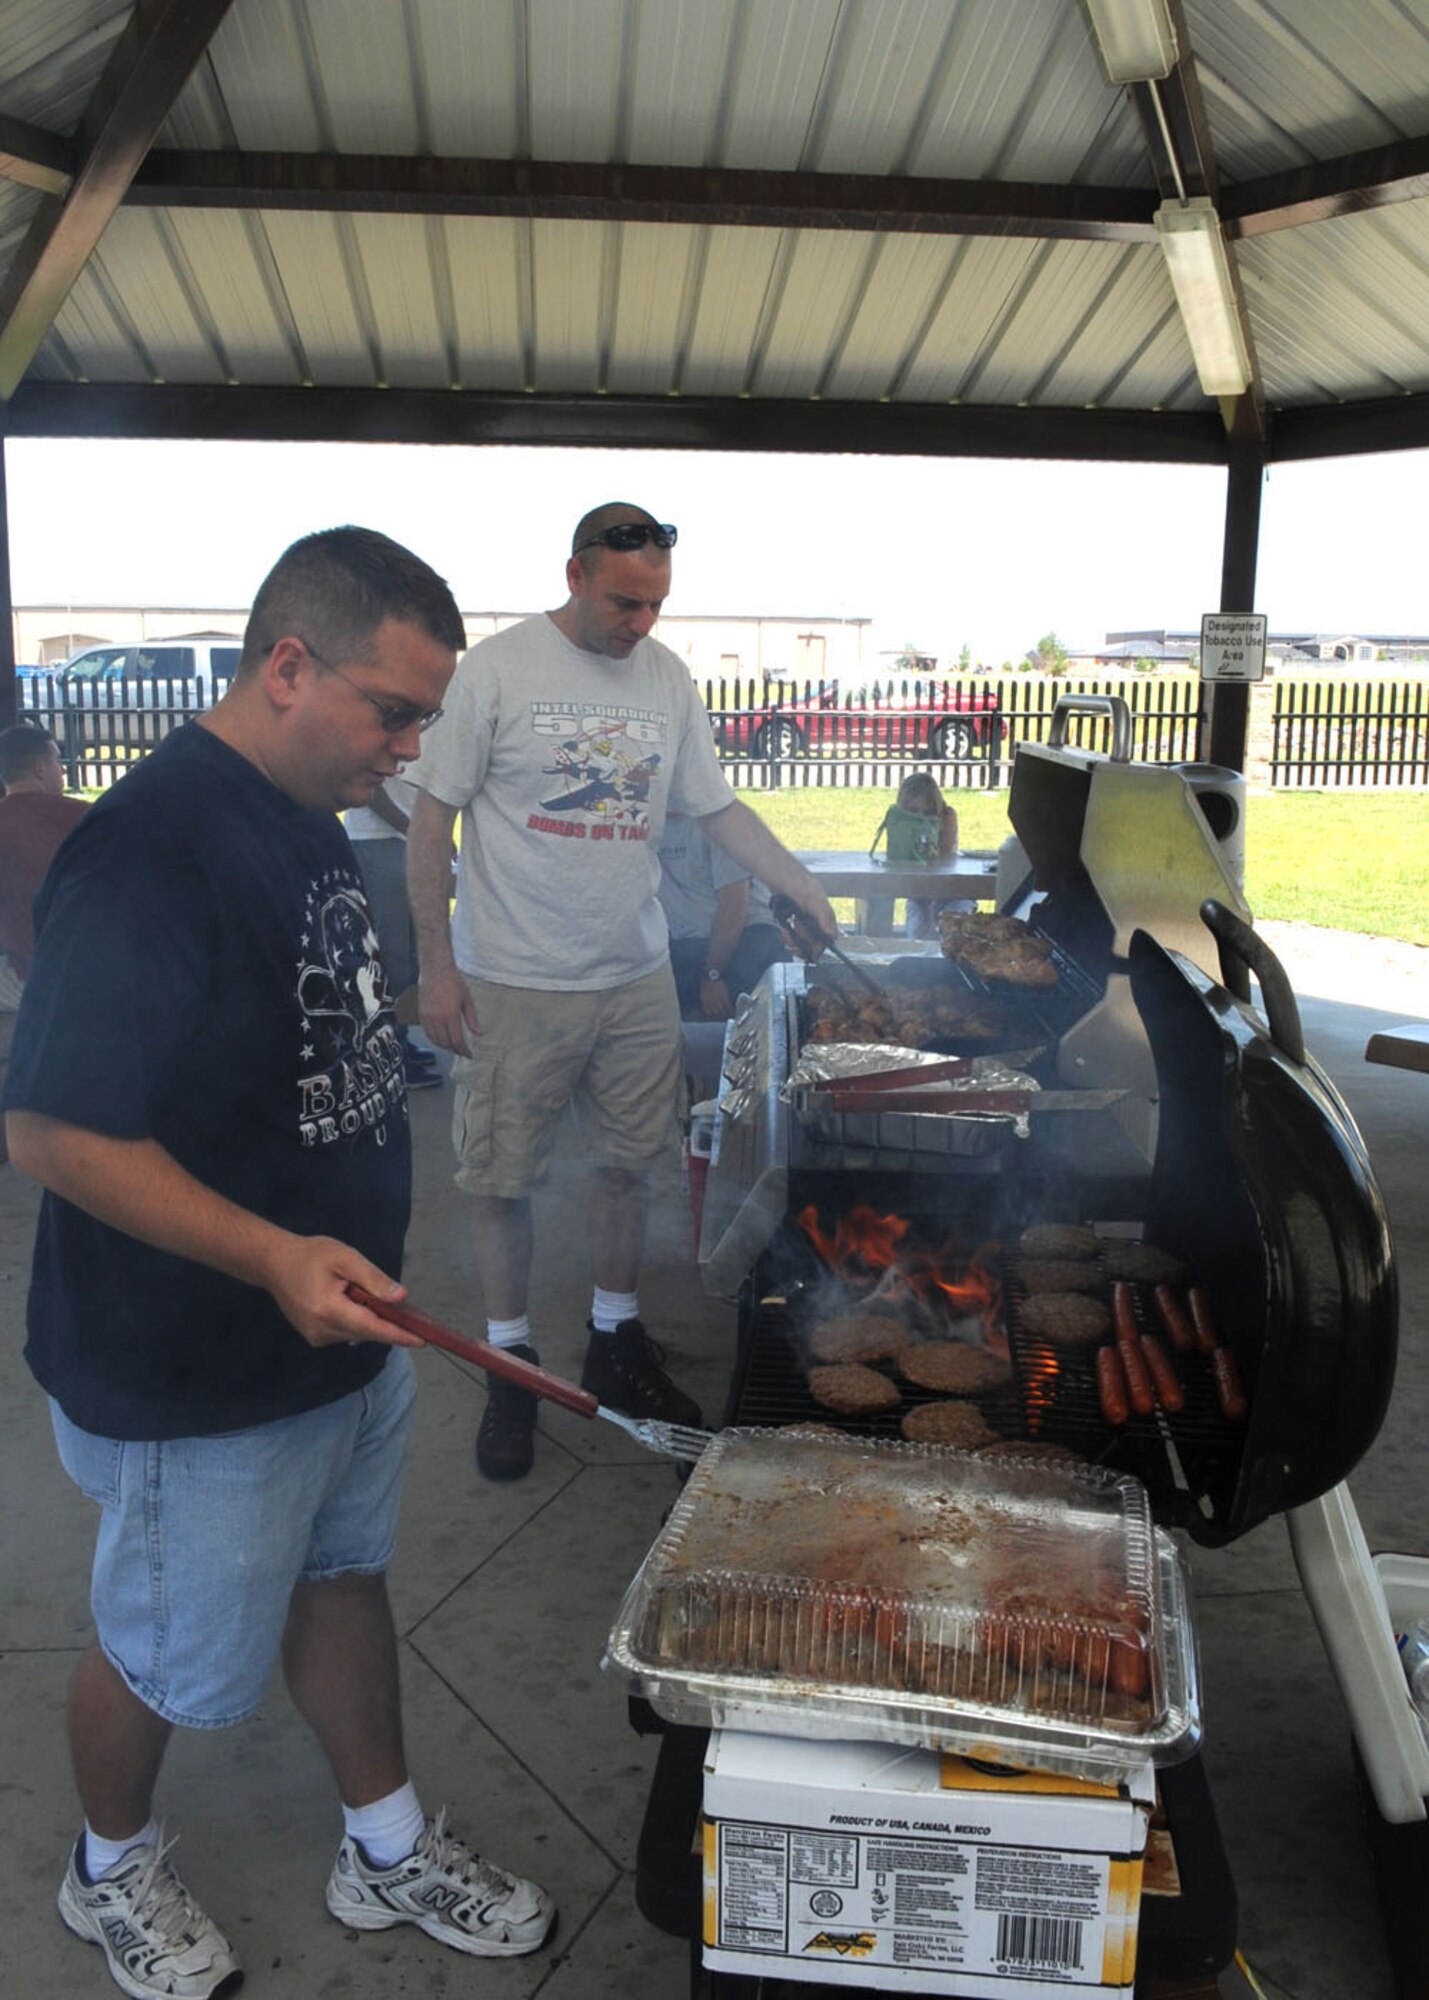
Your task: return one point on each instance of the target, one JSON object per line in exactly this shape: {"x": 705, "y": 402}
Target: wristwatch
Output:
{"x": 713, "y": 972}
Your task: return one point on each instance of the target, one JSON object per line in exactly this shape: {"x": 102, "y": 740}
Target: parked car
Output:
{"x": 128, "y": 698}
{"x": 937, "y": 719}
{"x": 204, "y": 661}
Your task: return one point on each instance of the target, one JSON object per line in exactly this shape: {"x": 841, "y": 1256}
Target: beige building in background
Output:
{"x": 714, "y": 646}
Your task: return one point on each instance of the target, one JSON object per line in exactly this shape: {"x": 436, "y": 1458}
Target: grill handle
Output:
{"x": 1112, "y": 706}
{"x": 495, "y": 1360}
{"x": 1243, "y": 952}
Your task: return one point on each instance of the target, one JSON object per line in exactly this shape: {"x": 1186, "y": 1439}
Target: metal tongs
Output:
{"x": 673, "y": 1440}
{"x": 811, "y": 943}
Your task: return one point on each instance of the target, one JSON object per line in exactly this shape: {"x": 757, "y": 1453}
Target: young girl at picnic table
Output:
{"x": 935, "y": 838}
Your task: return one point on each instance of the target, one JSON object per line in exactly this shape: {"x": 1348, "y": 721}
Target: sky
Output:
{"x": 938, "y": 553}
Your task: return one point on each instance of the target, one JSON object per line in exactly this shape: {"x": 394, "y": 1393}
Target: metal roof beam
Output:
{"x": 582, "y": 191}
{"x": 150, "y": 64}
{"x": 1340, "y": 430}
{"x": 1347, "y": 186}
{"x": 686, "y": 423}
{"x": 35, "y": 158}
{"x": 386, "y": 183}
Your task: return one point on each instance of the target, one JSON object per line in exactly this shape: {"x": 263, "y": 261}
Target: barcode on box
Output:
{"x": 1025, "y": 1940}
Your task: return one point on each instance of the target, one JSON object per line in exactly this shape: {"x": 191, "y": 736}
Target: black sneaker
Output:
{"x": 504, "y": 1442}
{"x": 622, "y": 1370}
{"x": 420, "y": 1075}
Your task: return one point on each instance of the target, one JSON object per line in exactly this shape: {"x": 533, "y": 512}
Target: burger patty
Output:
{"x": 947, "y": 1423}
{"x": 1059, "y": 1274}
{"x": 859, "y": 1337}
{"x": 852, "y": 1389}
{"x": 1067, "y": 1319}
{"x": 1141, "y": 1263}
{"x": 1059, "y": 1239}
{"x": 954, "y": 1368}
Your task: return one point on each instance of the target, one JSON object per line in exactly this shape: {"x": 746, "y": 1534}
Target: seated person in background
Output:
{"x": 919, "y": 799}
{"x": 35, "y": 816}
{"x": 722, "y": 936}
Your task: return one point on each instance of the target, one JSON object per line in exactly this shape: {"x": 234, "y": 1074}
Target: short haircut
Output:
{"x": 21, "y": 748}
{"x": 609, "y": 514}
{"x": 333, "y": 589}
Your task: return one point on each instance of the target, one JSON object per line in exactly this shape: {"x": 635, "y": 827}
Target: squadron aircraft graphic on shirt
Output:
{"x": 351, "y": 1075}
{"x": 602, "y": 767}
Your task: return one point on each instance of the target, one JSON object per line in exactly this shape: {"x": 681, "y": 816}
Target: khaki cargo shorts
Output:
{"x": 615, "y": 1055}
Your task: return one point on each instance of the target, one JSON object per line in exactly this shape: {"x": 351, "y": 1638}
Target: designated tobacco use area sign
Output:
{"x": 1232, "y": 646}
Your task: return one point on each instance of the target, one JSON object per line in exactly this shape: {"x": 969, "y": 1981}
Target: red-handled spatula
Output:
{"x": 674, "y": 1440}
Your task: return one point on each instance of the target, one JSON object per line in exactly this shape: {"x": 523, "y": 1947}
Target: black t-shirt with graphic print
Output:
{"x": 206, "y": 975}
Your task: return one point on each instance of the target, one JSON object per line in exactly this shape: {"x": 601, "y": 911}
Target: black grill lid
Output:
{"x": 1262, "y": 1183}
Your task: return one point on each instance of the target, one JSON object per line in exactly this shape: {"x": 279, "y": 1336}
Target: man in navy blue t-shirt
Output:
{"x": 206, "y": 1077}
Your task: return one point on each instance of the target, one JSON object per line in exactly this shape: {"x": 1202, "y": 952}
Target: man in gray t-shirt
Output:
{"x": 564, "y": 741}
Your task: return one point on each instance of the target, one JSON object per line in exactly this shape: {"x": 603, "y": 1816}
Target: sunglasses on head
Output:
{"x": 627, "y": 536}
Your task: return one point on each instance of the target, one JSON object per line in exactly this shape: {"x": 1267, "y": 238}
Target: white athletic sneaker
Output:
{"x": 156, "y": 1938}
{"x": 447, "y": 1891}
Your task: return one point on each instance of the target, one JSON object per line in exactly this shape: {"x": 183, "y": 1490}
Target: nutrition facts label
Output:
{"x": 1028, "y": 1913}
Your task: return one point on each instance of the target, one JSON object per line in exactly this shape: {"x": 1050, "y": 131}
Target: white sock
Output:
{"x": 388, "y": 1829}
{"x": 608, "y": 1309}
{"x": 100, "y": 1856}
{"x": 509, "y": 1332}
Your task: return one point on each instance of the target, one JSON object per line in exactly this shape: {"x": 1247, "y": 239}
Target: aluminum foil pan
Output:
{"x": 813, "y": 1584}
{"x": 936, "y": 1130}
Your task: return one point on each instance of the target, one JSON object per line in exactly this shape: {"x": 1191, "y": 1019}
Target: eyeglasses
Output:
{"x": 627, "y": 536}
{"x": 396, "y": 717}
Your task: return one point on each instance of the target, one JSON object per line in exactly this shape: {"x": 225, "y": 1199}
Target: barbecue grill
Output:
{"x": 1178, "y": 1115}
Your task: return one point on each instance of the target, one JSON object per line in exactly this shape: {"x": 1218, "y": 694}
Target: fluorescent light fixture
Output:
{"x": 1195, "y": 252}
{"x": 1136, "y": 38}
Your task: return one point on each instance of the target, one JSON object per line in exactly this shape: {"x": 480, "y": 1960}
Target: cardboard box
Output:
{"x": 902, "y": 1869}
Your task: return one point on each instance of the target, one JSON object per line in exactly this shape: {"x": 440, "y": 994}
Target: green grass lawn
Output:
{"x": 1349, "y": 861}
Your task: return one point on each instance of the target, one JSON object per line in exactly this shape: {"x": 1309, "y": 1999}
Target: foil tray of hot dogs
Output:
{"x": 811, "y": 1583}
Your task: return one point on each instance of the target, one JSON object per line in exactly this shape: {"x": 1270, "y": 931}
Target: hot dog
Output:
{"x": 1164, "y": 1378}
{"x": 1173, "y": 1318}
{"x": 1111, "y": 1385}
{"x": 1228, "y": 1386}
{"x": 1138, "y": 1377}
{"x": 1123, "y": 1307}
{"x": 1128, "y": 1346}
{"x": 1207, "y": 1339}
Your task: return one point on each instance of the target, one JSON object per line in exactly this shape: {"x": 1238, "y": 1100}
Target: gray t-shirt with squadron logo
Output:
{"x": 562, "y": 764}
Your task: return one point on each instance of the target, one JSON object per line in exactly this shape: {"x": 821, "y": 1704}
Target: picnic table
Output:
{"x": 872, "y": 880}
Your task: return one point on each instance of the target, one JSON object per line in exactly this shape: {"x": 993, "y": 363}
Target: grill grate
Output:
{"x": 1186, "y": 1458}
{"x": 1033, "y": 1015}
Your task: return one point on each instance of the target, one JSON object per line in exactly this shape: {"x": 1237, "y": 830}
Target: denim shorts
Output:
{"x": 201, "y": 1540}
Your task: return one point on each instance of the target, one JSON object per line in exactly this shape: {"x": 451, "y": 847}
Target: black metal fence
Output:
{"x": 1321, "y": 734}
{"x": 104, "y": 726}
{"x": 1335, "y": 733}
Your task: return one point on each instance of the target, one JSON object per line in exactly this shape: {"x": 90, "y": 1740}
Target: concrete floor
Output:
{"x": 504, "y": 1597}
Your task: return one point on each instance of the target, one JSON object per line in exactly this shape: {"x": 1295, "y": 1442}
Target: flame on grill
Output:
{"x": 869, "y": 1249}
